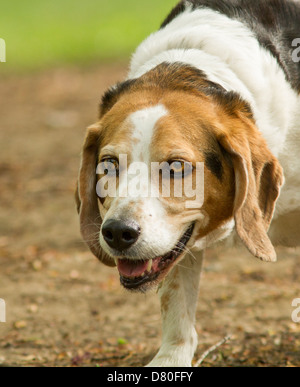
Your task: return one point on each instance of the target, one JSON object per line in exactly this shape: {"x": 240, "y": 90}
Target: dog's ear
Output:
{"x": 86, "y": 198}
{"x": 258, "y": 179}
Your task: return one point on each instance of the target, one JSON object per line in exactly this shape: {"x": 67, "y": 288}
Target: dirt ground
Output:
{"x": 63, "y": 307}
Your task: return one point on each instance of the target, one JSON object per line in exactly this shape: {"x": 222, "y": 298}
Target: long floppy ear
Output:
{"x": 258, "y": 179}
{"x": 86, "y": 198}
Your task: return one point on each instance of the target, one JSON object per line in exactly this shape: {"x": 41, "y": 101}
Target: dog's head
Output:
{"x": 174, "y": 161}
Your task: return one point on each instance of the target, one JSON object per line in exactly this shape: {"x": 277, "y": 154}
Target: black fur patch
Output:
{"x": 276, "y": 23}
{"x": 111, "y": 96}
{"x": 214, "y": 164}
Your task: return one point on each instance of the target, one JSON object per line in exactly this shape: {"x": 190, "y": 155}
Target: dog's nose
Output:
{"x": 120, "y": 235}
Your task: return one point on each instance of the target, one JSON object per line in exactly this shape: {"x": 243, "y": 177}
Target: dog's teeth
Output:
{"x": 149, "y": 267}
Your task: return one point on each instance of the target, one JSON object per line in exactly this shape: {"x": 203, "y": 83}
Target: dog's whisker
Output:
{"x": 187, "y": 250}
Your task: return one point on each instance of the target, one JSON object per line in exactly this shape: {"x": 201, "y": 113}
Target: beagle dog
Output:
{"x": 213, "y": 93}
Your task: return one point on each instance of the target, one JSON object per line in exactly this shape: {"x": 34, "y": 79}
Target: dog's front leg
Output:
{"x": 178, "y": 297}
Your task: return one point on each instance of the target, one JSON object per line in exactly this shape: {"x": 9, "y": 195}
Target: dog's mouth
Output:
{"x": 140, "y": 275}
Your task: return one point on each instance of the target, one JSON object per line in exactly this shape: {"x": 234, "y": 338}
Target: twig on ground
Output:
{"x": 211, "y": 349}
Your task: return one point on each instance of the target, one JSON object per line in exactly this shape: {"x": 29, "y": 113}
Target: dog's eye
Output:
{"x": 110, "y": 167}
{"x": 179, "y": 169}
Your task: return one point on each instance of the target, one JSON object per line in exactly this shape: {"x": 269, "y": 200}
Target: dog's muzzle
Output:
{"x": 142, "y": 274}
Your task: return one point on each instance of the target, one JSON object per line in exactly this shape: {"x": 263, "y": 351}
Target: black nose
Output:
{"x": 120, "y": 235}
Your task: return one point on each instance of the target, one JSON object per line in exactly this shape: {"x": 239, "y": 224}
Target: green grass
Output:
{"x": 45, "y": 33}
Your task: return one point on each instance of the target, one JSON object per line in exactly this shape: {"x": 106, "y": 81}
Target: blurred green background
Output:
{"x": 41, "y": 33}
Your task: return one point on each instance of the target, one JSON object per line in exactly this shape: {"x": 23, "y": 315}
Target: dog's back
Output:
{"x": 275, "y": 23}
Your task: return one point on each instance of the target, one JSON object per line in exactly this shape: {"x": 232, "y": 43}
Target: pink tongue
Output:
{"x": 129, "y": 268}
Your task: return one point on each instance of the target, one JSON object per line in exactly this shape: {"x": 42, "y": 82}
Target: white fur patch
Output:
{"x": 144, "y": 122}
